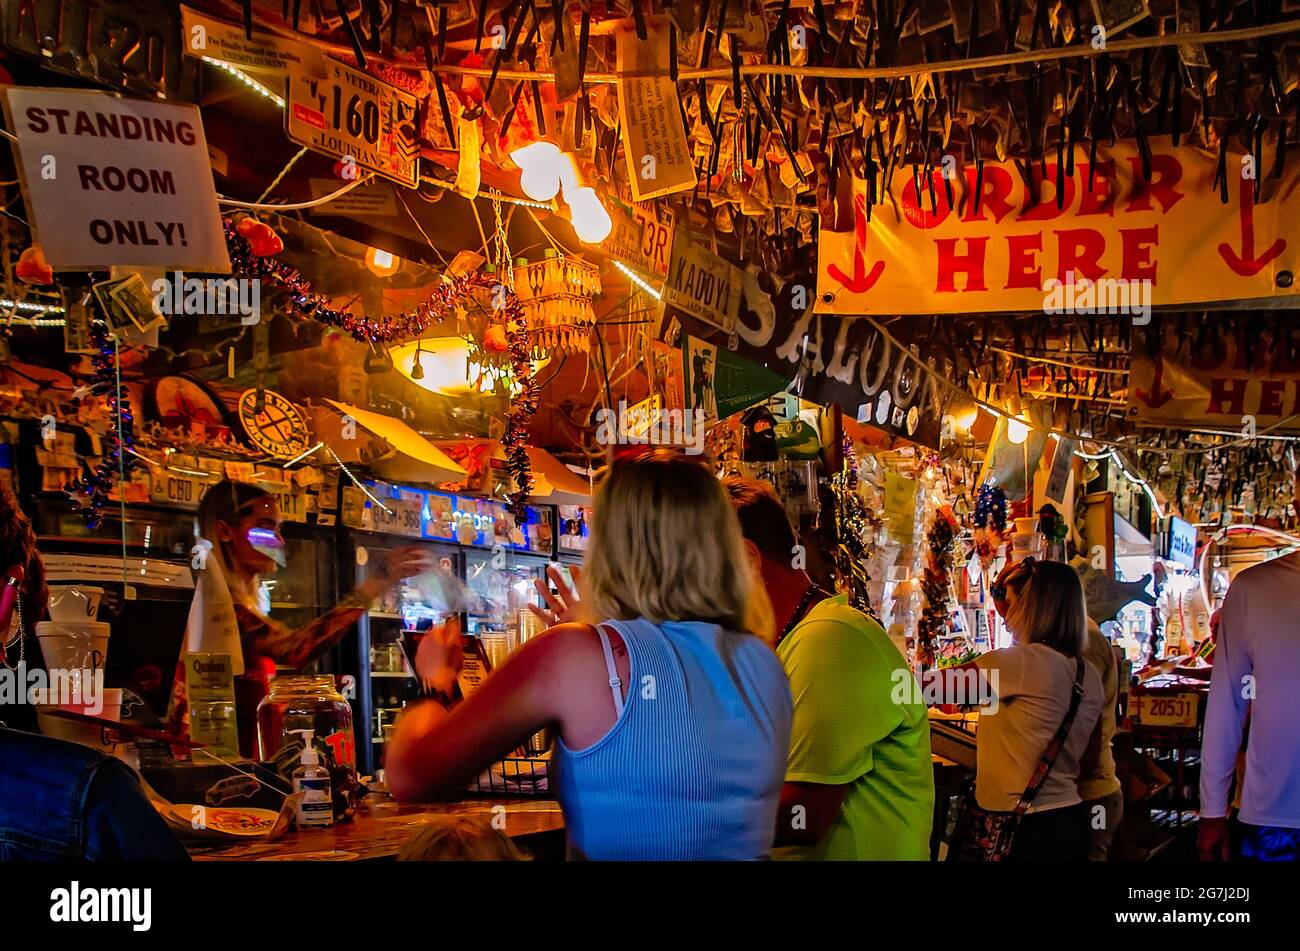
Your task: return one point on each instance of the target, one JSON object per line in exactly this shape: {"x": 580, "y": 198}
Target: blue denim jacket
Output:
{"x": 62, "y": 801}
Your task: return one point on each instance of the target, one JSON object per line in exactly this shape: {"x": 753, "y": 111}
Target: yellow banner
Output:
{"x": 1118, "y": 244}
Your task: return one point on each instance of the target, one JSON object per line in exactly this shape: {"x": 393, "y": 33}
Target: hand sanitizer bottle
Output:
{"x": 316, "y": 809}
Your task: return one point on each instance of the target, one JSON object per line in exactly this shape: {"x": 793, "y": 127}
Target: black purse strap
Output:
{"x": 1053, "y": 750}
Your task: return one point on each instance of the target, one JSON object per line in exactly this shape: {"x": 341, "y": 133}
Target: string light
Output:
{"x": 32, "y": 306}
{"x": 357, "y": 482}
{"x": 243, "y": 77}
{"x": 636, "y": 279}
{"x": 302, "y": 455}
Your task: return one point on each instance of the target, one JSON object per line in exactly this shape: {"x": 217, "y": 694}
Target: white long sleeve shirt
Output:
{"x": 1256, "y": 669}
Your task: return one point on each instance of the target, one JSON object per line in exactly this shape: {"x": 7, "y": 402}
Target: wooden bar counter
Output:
{"x": 381, "y": 826}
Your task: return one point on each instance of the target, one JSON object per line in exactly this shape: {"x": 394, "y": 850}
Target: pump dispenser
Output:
{"x": 316, "y": 808}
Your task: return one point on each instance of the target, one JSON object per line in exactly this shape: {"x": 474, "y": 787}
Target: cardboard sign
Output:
{"x": 702, "y": 284}
{"x": 654, "y": 138}
{"x": 375, "y": 198}
{"x": 1170, "y": 238}
{"x": 353, "y": 115}
{"x": 204, "y": 36}
{"x": 111, "y": 181}
{"x": 1222, "y": 386}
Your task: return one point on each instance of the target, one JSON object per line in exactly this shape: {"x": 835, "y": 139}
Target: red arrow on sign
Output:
{"x": 1246, "y": 264}
{"x": 861, "y": 281}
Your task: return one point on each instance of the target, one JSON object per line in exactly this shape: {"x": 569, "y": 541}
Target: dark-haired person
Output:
{"x": 242, "y": 523}
{"x": 60, "y": 801}
{"x": 859, "y": 782}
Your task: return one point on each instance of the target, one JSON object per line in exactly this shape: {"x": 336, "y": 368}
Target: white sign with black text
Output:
{"x": 116, "y": 182}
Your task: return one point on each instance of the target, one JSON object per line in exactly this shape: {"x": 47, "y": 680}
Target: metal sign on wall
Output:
{"x": 355, "y": 116}
{"x": 703, "y": 284}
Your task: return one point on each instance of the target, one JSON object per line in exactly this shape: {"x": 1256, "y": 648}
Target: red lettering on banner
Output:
{"x": 920, "y": 215}
{"x": 1080, "y": 253}
{"x": 996, "y": 192}
{"x": 861, "y": 280}
{"x": 1227, "y": 390}
{"x": 1101, "y": 198}
{"x": 1166, "y": 173}
{"x": 971, "y": 264}
{"x": 1138, "y": 245}
{"x": 1047, "y": 209}
{"x": 1022, "y": 266}
{"x": 1270, "y": 397}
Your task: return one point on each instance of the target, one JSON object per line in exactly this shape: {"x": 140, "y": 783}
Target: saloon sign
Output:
{"x": 842, "y": 360}
{"x": 1105, "y": 222}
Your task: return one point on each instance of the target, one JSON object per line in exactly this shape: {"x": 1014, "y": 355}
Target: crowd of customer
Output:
{"x": 712, "y": 701}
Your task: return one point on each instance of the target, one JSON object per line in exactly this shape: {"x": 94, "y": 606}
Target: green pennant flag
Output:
{"x": 722, "y": 383}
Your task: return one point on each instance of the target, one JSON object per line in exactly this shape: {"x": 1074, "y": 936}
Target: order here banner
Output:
{"x": 924, "y": 254}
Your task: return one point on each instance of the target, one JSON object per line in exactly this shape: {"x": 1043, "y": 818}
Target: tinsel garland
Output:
{"x": 89, "y": 494}
{"x": 306, "y": 303}
{"x": 514, "y": 440}
{"x": 395, "y": 328}
{"x": 934, "y": 588}
{"x": 990, "y": 522}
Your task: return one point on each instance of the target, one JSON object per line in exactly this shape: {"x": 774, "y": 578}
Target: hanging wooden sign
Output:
{"x": 1099, "y": 240}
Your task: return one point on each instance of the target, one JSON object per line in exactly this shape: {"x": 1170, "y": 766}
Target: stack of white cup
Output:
{"x": 75, "y": 646}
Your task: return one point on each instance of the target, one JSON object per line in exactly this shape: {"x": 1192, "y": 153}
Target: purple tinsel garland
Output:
{"x": 90, "y": 493}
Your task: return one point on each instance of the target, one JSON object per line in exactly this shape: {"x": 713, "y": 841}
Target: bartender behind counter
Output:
{"x": 242, "y": 524}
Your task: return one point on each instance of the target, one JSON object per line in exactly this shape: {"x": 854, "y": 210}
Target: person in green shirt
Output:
{"x": 860, "y": 780}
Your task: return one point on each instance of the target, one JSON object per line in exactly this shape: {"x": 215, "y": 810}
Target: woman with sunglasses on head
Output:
{"x": 673, "y": 712}
{"x": 239, "y": 537}
{"x": 1031, "y": 716}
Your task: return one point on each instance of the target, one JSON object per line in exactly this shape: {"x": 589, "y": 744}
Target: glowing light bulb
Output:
{"x": 1017, "y": 430}
{"x": 966, "y": 419}
{"x": 591, "y": 222}
{"x": 382, "y": 263}
{"x": 541, "y": 164}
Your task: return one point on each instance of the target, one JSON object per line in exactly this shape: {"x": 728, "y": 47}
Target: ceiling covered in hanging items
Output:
{"x": 782, "y": 104}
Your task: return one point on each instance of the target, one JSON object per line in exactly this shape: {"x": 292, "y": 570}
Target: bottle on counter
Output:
{"x": 316, "y": 808}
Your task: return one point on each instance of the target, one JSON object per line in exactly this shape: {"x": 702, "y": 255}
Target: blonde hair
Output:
{"x": 1050, "y": 608}
{"x": 666, "y": 546}
{"x": 460, "y": 839}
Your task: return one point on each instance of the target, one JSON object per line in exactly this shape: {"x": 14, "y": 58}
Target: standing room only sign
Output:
{"x": 116, "y": 182}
